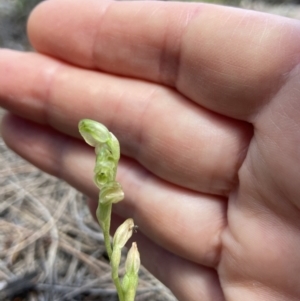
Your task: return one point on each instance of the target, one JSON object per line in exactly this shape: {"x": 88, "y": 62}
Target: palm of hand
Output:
{"x": 219, "y": 209}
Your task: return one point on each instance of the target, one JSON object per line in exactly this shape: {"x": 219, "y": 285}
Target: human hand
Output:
{"x": 205, "y": 103}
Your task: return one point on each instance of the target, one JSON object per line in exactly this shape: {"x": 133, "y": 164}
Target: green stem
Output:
{"x": 104, "y": 216}
{"x": 107, "y": 232}
{"x": 116, "y": 280}
{"x": 130, "y": 295}
{"x": 107, "y": 242}
{"x": 115, "y": 262}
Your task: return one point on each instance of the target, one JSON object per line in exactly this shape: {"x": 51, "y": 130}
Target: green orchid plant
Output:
{"x": 107, "y": 150}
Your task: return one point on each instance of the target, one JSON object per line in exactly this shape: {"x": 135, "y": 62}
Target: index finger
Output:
{"x": 228, "y": 60}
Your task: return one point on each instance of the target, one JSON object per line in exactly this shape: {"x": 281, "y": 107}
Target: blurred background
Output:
{"x": 50, "y": 247}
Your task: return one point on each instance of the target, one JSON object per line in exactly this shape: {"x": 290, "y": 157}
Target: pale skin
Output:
{"x": 205, "y": 101}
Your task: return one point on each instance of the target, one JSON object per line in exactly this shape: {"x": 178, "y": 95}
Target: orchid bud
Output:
{"x": 114, "y": 147}
{"x": 93, "y": 132}
{"x": 123, "y": 233}
{"x": 105, "y": 168}
{"x": 111, "y": 193}
{"x": 105, "y": 176}
{"x": 121, "y": 236}
{"x": 133, "y": 261}
{"x": 130, "y": 279}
